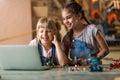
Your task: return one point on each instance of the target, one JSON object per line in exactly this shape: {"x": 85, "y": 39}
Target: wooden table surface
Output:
{"x": 60, "y": 74}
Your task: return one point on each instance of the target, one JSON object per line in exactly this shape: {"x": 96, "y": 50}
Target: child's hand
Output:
{"x": 55, "y": 40}
{"x": 81, "y": 60}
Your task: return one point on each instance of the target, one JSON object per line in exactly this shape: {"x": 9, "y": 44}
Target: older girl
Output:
{"x": 82, "y": 40}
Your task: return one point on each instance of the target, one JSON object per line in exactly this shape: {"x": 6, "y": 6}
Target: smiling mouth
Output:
{"x": 69, "y": 26}
{"x": 45, "y": 38}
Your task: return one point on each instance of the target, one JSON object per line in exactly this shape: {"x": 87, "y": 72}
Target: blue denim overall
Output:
{"x": 79, "y": 49}
{"x": 52, "y": 60}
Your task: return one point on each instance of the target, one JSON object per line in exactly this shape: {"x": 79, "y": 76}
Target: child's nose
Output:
{"x": 45, "y": 33}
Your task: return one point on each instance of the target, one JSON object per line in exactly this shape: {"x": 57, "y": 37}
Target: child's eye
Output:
{"x": 49, "y": 30}
{"x": 41, "y": 31}
{"x": 68, "y": 17}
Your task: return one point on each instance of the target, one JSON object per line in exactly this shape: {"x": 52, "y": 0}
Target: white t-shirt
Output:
{"x": 33, "y": 42}
{"x": 89, "y": 36}
{"x": 47, "y": 54}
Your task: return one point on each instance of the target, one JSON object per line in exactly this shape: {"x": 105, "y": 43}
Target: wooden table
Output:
{"x": 59, "y": 74}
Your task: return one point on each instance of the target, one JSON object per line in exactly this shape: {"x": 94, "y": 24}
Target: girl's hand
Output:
{"x": 55, "y": 40}
{"x": 81, "y": 60}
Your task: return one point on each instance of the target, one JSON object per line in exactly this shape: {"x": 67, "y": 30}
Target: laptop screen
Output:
{"x": 19, "y": 57}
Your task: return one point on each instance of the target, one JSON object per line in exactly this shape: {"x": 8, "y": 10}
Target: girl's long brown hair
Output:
{"x": 74, "y": 8}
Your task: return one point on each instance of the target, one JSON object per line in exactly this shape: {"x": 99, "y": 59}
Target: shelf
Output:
{"x": 114, "y": 48}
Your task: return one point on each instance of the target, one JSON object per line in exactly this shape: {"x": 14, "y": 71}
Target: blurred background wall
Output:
{"x": 15, "y": 21}
{"x": 19, "y": 17}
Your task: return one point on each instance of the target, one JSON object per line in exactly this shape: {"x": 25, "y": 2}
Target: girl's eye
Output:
{"x": 41, "y": 31}
{"x": 68, "y": 17}
{"x": 49, "y": 30}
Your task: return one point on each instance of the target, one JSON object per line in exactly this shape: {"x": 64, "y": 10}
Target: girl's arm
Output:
{"x": 62, "y": 58}
{"x": 104, "y": 50}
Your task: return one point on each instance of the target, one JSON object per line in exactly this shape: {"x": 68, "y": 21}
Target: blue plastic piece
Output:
{"x": 94, "y": 61}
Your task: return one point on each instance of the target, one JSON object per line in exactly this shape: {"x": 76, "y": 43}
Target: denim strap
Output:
{"x": 41, "y": 53}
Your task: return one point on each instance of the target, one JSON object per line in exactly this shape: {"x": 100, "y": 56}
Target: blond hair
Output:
{"x": 50, "y": 24}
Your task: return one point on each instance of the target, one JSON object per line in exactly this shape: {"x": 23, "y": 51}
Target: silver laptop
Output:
{"x": 20, "y": 57}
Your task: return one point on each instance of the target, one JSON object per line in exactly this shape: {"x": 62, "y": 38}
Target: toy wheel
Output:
{"x": 101, "y": 69}
{"x": 90, "y": 69}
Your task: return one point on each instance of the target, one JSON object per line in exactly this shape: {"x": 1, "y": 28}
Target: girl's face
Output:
{"x": 46, "y": 35}
{"x": 70, "y": 20}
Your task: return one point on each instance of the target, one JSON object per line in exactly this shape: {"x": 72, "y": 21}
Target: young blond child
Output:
{"x": 48, "y": 44}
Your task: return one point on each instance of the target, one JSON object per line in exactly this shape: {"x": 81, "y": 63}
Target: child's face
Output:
{"x": 46, "y": 35}
{"x": 70, "y": 20}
